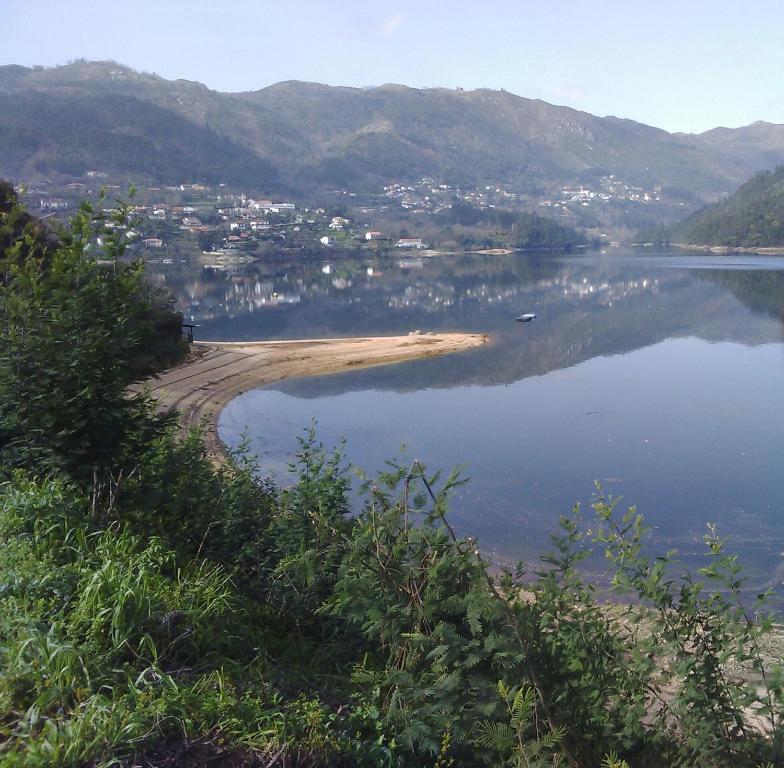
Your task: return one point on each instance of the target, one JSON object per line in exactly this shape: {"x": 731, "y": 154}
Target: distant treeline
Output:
{"x": 526, "y": 230}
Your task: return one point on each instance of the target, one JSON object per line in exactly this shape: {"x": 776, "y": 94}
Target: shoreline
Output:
{"x": 726, "y": 249}
{"x": 217, "y": 372}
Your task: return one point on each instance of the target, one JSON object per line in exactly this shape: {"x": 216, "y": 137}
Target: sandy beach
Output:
{"x": 216, "y": 372}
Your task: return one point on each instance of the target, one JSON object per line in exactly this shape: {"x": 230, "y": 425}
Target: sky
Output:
{"x": 685, "y": 65}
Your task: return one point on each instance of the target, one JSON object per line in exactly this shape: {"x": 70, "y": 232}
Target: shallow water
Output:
{"x": 659, "y": 375}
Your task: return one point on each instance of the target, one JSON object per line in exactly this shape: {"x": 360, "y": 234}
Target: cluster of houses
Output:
{"x": 609, "y": 188}
{"x": 372, "y": 235}
{"x": 232, "y": 221}
{"x": 54, "y": 204}
{"x": 429, "y": 195}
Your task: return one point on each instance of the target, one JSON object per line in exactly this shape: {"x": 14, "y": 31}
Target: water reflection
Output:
{"x": 659, "y": 379}
{"x": 586, "y": 306}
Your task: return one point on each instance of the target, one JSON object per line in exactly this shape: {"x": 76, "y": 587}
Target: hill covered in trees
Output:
{"x": 303, "y": 136}
{"x": 753, "y": 217}
{"x": 495, "y": 226}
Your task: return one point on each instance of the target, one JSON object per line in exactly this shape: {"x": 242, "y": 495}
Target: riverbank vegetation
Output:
{"x": 471, "y": 227}
{"x": 158, "y": 610}
{"x": 752, "y": 217}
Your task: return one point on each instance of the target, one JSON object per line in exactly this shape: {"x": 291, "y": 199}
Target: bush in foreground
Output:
{"x": 155, "y": 609}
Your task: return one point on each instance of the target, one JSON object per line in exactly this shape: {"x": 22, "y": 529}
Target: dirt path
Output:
{"x": 216, "y": 372}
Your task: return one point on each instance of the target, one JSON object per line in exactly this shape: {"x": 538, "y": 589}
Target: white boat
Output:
{"x": 526, "y": 318}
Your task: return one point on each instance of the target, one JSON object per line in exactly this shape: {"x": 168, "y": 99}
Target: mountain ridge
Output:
{"x": 303, "y": 135}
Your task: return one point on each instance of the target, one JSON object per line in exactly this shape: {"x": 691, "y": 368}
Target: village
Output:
{"x": 222, "y": 226}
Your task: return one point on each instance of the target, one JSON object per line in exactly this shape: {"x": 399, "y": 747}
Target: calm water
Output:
{"x": 659, "y": 375}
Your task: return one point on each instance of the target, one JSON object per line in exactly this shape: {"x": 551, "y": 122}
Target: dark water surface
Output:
{"x": 659, "y": 375}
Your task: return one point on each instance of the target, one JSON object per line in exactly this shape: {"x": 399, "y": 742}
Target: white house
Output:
{"x": 152, "y": 242}
{"x": 374, "y": 236}
{"x": 338, "y": 222}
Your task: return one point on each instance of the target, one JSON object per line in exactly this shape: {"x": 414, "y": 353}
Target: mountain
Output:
{"x": 757, "y": 146}
{"x": 753, "y": 217}
{"x": 300, "y": 136}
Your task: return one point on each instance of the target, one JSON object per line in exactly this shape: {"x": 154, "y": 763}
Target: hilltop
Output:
{"x": 300, "y": 136}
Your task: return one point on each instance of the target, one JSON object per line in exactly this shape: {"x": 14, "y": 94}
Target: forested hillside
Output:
{"x": 304, "y": 136}
{"x": 753, "y": 217}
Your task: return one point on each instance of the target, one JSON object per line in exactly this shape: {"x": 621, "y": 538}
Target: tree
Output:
{"x": 78, "y": 325}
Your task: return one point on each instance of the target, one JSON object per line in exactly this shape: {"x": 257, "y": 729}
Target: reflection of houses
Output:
{"x": 54, "y": 205}
{"x": 410, "y": 242}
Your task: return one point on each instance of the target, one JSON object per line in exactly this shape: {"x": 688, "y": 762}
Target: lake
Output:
{"x": 660, "y": 375}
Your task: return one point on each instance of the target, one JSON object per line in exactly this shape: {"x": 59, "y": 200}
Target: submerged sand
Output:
{"x": 216, "y": 372}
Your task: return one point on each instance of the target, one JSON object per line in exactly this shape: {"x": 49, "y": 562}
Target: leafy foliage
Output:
{"x": 164, "y": 610}
{"x": 510, "y": 740}
{"x": 77, "y": 327}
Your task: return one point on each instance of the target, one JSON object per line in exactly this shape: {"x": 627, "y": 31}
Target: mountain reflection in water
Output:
{"x": 660, "y": 375}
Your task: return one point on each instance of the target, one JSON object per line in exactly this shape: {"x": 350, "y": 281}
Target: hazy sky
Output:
{"x": 679, "y": 64}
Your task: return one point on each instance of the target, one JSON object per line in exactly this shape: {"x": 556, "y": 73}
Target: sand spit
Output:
{"x": 216, "y": 372}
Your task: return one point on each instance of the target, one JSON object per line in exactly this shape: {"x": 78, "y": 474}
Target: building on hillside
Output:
{"x": 152, "y": 242}
{"x": 338, "y": 222}
{"x": 327, "y": 240}
{"x": 374, "y": 235}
